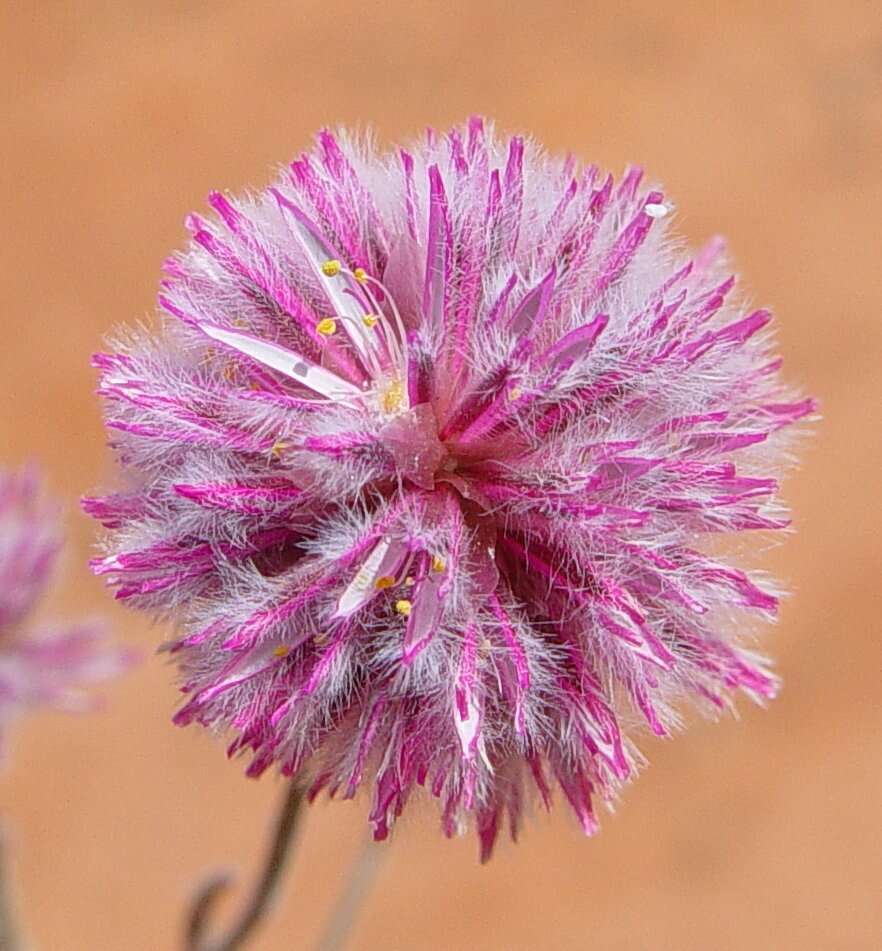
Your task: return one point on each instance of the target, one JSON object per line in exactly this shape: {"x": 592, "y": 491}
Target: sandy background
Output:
{"x": 764, "y": 121}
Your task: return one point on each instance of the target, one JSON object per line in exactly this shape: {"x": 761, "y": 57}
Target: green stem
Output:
{"x": 345, "y": 911}
{"x": 264, "y": 891}
{"x": 10, "y": 937}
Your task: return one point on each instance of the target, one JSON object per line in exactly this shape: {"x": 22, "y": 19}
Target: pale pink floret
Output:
{"x": 40, "y": 664}
{"x": 428, "y": 461}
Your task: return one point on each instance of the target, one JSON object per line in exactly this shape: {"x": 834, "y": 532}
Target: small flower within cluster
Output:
{"x": 41, "y": 664}
{"x": 429, "y": 461}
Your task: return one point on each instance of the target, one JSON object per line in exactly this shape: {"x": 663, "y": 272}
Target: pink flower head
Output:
{"x": 45, "y": 664}
{"x": 429, "y": 461}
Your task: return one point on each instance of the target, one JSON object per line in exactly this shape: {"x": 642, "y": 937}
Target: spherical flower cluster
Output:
{"x": 42, "y": 664}
{"x": 429, "y": 462}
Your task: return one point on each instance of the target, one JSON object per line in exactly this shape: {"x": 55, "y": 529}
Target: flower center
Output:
{"x": 411, "y": 437}
{"x": 378, "y": 336}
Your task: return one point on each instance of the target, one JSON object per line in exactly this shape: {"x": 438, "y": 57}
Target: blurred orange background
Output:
{"x": 764, "y": 122}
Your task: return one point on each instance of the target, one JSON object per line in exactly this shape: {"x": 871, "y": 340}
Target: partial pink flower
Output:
{"x": 431, "y": 460}
{"x": 40, "y": 664}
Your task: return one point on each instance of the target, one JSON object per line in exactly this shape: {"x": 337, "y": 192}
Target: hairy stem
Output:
{"x": 349, "y": 901}
{"x": 264, "y": 891}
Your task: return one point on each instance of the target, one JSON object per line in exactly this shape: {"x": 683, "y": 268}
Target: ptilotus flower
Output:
{"x": 430, "y": 460}
{"x": 40, "y": 664}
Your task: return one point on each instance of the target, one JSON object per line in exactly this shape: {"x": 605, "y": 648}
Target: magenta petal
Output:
{"x": 425, "y": 615}
{"x": 439, "y": 253}
{"x": 574, "y": 345}
{"x": 529, "y": 314}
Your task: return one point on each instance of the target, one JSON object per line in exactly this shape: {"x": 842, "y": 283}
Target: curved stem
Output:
{"x": 348, "y": 904}
{"x": 264, "y": 891}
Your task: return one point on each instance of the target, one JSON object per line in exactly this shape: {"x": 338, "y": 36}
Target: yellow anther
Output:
{"x": 393, "y": 396}
{"x": 370, "y": 320}
{"x": 326, "y": 326}
{"x": 485, "y": 646}
{"x": 278, "y": 448}
{"x": 281, "y": 651}
{"x": 438, "y": 563}
{"x": 360, "y": 274}
{"x": 331, "y": 268}
{"x": 385, "y": 581}
{"x": 410, "y": 581}
{"x": 403, "y": 607}
{"x": 514, "y": 393}
{"x": 229, "y": 372}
